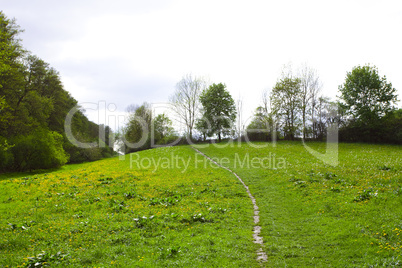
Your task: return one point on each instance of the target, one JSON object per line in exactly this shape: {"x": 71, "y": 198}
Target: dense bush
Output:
{"x": 39, "y": 150}
{"x": 386, "y": 130}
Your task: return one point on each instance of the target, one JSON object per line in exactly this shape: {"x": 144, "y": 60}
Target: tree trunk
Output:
{"x": 304, "y": 123}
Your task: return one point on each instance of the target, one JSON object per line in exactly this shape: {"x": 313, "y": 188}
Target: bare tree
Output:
{"x": 324, "y": 109}
{"x": 269, "y": 118}
{"x": 240, "y": 123}
{"x": 185, "y": 100}
{"x": 314, "y": 102}
{"x": 266, "y": 101}
{"x": 310, "y": 87}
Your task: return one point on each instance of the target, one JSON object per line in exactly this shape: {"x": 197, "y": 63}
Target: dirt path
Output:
{"x": 261, "y": 255}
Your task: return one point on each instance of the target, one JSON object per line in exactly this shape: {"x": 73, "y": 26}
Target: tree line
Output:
{"x": 293, "y": 109}
{"x": 210, "y": 110}
{"x": 33, "y": 108}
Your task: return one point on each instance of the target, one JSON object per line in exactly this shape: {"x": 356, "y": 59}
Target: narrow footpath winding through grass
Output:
{"x": 262, "y": 256}
{"x": 157, "y": 208}
{"x": 172, "y": 207}
{"x": 313, "y": 214}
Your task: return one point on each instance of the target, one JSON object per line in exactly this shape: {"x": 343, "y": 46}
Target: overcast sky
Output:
{"x": 128, "y": 52}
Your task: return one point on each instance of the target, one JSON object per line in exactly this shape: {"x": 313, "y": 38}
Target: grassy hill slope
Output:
{"x": 170, "y": 208}
{"x": 314, "y": 214}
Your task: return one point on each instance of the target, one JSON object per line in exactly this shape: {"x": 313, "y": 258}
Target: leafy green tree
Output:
{"x": 33, "y": 108}
{"x": 10, "y": 52}
{"x": 367, "y": 99}
{"x": 392, "y": 127}
{"x": 204, "y": 127}
{"x": 261, "y": 127}
{"x": 219, "y": 109}
{"x": 366, "y": 96}
{"x": 137, "y": 133}
{"x": 11, "y": 67}
{"x": 286, "y": 105}
{"x": 163, "y": 129}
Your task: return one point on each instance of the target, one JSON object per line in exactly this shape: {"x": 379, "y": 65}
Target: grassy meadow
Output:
{"x": 106, "y": 214}
{"x": 314, "y": 214}
{"x": 169, "y": 207}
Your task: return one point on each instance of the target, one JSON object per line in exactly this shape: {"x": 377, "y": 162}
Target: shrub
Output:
{"x": 39, "y": 150}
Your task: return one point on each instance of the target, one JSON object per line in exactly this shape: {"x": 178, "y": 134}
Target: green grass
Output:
{"x": 313, "y": 214}
{"x": 163, "y": 212}
{"x": 106, "y": 214}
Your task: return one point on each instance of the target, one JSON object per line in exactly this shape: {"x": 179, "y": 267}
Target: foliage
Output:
{"x": 40, "y": 150}
{"x": 143, "y": 131}
{"x": 137, "y": 133}
{"x": 391, "y": 126}
{"x": 163, "y": 130}
{"x": 219, "y": 109}
{"x": 6, "y": 157}
{"x": 366, "y": 96}
{"x": 45, "y": 259}
{"x": 2, "y": 103}
{"x": 4, "y": 146}
{"x": 260, "y": 128}
{"x": 294, "y": 108}
{"x": 203, "y": 125}
{"x": 286, "y": 104}
{"x": 388, "y": 129}
{"x": 33, "y": 101}
{"x": 368, "y": 100}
